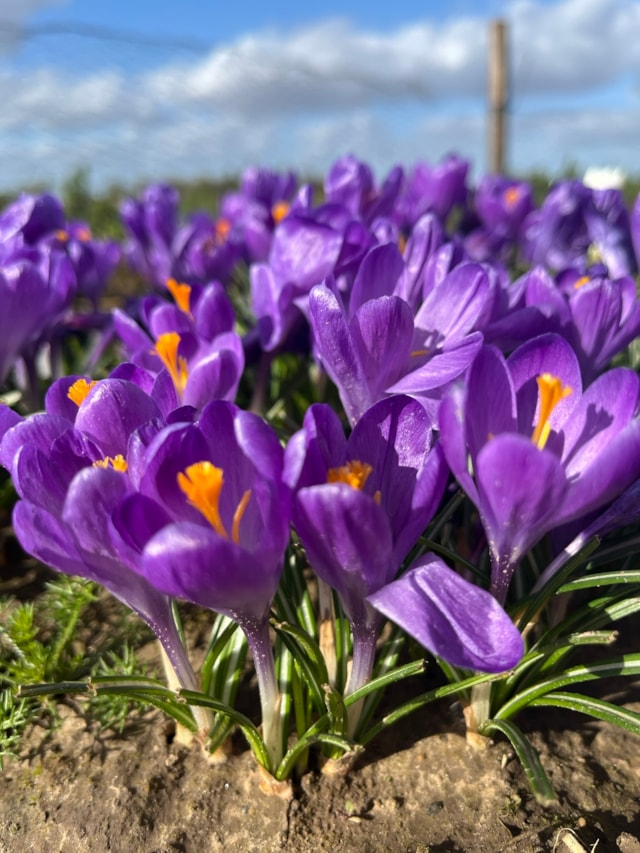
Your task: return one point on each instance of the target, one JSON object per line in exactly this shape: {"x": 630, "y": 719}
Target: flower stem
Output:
{"x": 365, "y": 635}
{"x": 259, "y": 640}
{"x": 179, "y": 671}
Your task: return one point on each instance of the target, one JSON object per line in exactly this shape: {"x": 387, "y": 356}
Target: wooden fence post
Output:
{"x": 498, "y": 85}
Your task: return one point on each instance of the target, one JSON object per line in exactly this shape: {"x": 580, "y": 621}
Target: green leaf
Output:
{"x": 625, "y": 665}
{"x": 598, "y": 708}
{"x": 251, "y": 733}
{"x": 307, "y": 657}
{"x": 528, "y": 757}
{"x": 597, "y": 579}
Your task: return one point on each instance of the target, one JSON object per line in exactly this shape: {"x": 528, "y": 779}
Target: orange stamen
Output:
{"x": 181, "y": 294}
{"x": 118, "y": 463}
{"x": 551, "y": 391}
{"x": 354, "y": 474}
{"x": 279, "y": 211}
{"x": 511, "y": 196}
{"x": 202, "y": 483}
{"x": 167, "y": 349}
{"x": 222, "y": 229}
{"x": 79, "y": 391}
{"x": 581, "y": 282}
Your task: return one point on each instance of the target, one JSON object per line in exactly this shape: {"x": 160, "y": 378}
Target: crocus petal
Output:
{"x": 39, "y": 429}
{"x": 377, "y": 276}
{"x": 112, "y": 411}
{"x": 382, "y": 333}
{"x": 452, "y": 426}
{"x": 615, "y": 467}
{"x": 395, "y": 438}
{"x": 547, "y": 353}
{"x": 455, "y": 620}
{"x": 441, "y": 367}
{"x": 348, "y": 541}
{"x": 454, "y": 305}
{"x": 337, "y": 350}
{"x": 520, "y": 488}
{"x": 605, "y": 408}
{"x": 45, "y": 537}
{"x": 191, "y": 561}
{"x": 490, "y": 407}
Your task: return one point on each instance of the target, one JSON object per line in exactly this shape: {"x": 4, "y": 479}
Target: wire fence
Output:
{"x": 79, "y": 97}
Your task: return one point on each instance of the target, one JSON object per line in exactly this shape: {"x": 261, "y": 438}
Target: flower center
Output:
{"x": 511, "y": 196}
{"x": 584, "y": 279}
{"x": 118, "y": 463}
{"x": 202, "y": 483}
{"x": 354, "y": 474}
{"x": 167, "y": 349}
{"x": 78, "y": 392}
{"x": 550, "y": 392}
{"x": 181, "y": 294}
{"x": 279, "y": 211}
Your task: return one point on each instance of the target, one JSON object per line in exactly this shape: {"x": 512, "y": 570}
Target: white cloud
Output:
{"x": 301, "y": 98}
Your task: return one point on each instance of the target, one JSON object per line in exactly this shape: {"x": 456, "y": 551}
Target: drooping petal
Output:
{"x": 455, "y": 620}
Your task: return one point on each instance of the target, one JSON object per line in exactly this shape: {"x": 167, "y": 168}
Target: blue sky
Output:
{"x": 149, "y": 91}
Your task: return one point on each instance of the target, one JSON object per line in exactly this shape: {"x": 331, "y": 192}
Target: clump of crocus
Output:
{"x": 72, "y": 466}
{"x": 210, "y": 523}
{"x": 533, "y": 450}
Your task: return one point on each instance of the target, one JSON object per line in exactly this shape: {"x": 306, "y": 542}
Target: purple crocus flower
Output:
{"x": 210, "y": 523}
{"x": 377, "y": 347}
{"x": 305, "y": 250}
{"x": 433, "y": 189}
{"x": 350, "y": 182}
{"x": 72, "y": 466}
{"x": 501, "y": 205}
{"x": 533, "y": 450}
{"x": 193, "y": 339}
{"x": 264, "y": 199}
{"x": 361, "y": 504}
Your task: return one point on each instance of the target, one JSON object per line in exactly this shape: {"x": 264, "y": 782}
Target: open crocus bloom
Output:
{"x": 211, "y": 517}
{"x": 362, "y": 503}
{"x": 533, "y": 450}
{"x": 72, "y": 466}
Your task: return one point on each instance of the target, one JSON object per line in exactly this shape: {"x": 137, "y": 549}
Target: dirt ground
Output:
{"x": 420, "y": 788}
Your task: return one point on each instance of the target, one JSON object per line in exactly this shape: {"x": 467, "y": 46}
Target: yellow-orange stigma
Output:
{"x": 584, "y": 279}
{"x": 167, "y": 349}
{"x": 354, "y": 474}
{"x": 61, "y": 235}
{"x": 79, "y": 391}
{"x": 202, "y": 483}
{"x": 118, "y": 463}
{"x": 83, "y": 233}
{"x": 511, "y": 196}
{"x": 279, "y": 211}
{"x": 222, "y": 229}
{"x": 181, "y": 294}
{"x": 550, "y": 392}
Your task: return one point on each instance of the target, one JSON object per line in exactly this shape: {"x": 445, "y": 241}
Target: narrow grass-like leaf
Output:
{"x": 625, "y": 665}
{"x": 249, "y": 730}
{"x": 598, "y": 708}
{"x": 598, "y": 579}
{"x": 528, "y": 757}
{"x": 537, "y": 602}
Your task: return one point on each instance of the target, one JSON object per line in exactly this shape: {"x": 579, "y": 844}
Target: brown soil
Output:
{"x": 420, "y": 787}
